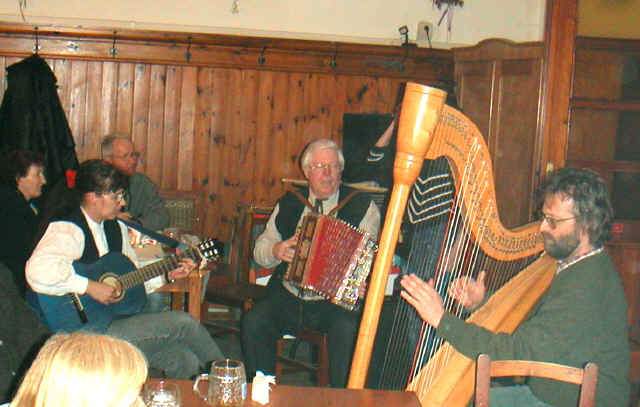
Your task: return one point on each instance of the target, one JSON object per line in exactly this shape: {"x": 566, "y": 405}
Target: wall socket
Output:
{"x": 421, "y": 36}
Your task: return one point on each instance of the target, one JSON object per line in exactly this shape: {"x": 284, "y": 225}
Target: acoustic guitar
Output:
{"x": 72, "y": 312}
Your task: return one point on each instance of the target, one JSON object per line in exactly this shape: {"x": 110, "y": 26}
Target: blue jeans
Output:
{"x": 171, "y": 341}
{"x": 509, "y": 396}
{"x": 157, "y": 302}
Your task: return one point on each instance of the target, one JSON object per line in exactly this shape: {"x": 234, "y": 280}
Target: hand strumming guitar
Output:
{"x": 103, "y": 293}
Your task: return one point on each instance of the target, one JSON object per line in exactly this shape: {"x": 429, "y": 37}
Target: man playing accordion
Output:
{"x": 287, "y": 307}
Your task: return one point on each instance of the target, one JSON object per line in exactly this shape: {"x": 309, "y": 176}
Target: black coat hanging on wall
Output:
{"x": 32, "y": 118}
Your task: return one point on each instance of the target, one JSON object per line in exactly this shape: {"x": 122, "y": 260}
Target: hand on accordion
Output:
{"x": 285, "y": 249}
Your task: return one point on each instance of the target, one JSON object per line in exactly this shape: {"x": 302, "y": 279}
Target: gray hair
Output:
{"x": 591, "y": 203}
{"x": 106, "y": 146}
{"x": 320, "y": 144}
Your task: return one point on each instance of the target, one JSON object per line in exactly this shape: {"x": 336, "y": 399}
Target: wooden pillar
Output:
{"x": 559, "y": 39}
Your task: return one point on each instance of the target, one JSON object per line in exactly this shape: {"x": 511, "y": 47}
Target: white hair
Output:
{"x": 106, "y": 146}
{"x": 320, "y": 144}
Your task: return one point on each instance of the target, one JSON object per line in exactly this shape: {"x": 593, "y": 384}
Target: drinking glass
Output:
{"x": 161, "y": 394}
{"x": 227, "y": 384}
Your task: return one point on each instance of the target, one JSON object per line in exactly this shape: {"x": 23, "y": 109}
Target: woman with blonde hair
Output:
{"x": 82, "y": 369}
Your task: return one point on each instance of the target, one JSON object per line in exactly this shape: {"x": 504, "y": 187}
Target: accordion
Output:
{"x": 332, "y": 259}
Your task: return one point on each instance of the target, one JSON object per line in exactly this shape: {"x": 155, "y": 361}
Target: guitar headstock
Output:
{"x": 211, "y": 249}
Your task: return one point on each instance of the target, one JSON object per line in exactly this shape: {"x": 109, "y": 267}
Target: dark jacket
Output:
{"x": 19, "y": 225}
{"x": 32, "y": 118}
{"x": 21, "y": 335}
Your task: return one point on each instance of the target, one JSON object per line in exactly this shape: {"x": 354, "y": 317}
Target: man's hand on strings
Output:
{"x": 185, "y": 267}
{"x": 284, "y": 250}
{"x": 467, "y": 291}
{"x": 424, "y": 298}
{"x": 101, "y": 292}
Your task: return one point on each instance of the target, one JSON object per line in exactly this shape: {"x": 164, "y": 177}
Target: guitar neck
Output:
{"x": 158, "y": 268}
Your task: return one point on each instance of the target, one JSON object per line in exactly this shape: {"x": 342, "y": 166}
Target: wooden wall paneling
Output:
{"x": 93, "y": 123}
{"x": 264, "y": 141}
{"x": 325, "y": 98}
{"x": 78, "y": 105}
{"x": 108, "y": 109}
{"x": 140, "y": 112}
{"x": 386, "y": 95}
{"x": 626, "y": 257}
{"x": 218, "y": 221}
{"x": 230, "y": 157}
{"x": 475, "y": 83}
{"x": 314, "y": 127}
{"x": 187, "y": 128}
{"x": 125, "y": 98}
{"x": 229, "y": 127}
{"x": 339, "y": 105}
{"x": 173, "y": 94}
{"x": 230, "y": 51}
{"x": 280, "y": 124}
{"x": 295, "y": 130}
{"x": 592, "y": 135}
{"x": 514, "y": 138}
{"x": 202, "y": 128}
{"x": 155, "y": 134}
{"x": 246, "y": 137}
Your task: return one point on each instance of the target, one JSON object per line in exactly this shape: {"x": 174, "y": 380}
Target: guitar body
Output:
{"x": 59, "y": 313}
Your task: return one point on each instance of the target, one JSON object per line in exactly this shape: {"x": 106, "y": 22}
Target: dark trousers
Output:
{"x": 283, "y": 313}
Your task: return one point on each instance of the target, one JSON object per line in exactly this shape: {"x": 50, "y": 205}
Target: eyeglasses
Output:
{"x": 134, "y": 154}
{"x": 553, "y": 222}
{"x": 117, "y": 196}
{"x": 318, "y": 167}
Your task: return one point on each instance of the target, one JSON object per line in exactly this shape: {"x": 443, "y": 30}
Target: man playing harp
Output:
{"x": 287, "y": 308}
{"x": 581, "y": 318}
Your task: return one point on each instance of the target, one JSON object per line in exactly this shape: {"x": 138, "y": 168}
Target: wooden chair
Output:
{"x": 186, "y": 209}
{"x": 186, "y": 212}
{"x": 234, "y": 282}
{"x": 587, "y": 378}
{"x": 319, "y": 355}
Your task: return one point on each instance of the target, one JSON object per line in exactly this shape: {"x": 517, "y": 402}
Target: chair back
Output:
{"x": 250, "y": 222}
{"x": 186, "y": 209}
{"x": 587, "y": 378}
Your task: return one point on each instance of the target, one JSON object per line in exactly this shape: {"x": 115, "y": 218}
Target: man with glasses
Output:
{"x": 144, "y": 205}
{"x": 287, "y": 309}
{"x": 582, "y": 316}
{"x": 172, "y": 341}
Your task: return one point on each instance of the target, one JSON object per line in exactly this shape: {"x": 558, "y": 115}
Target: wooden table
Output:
{"x": 291, "y": 396}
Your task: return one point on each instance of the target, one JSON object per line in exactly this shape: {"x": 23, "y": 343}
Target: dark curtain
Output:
{"x": 32, "y": 118}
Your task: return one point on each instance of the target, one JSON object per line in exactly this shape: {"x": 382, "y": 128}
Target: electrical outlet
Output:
{"x": 425, "y": 30}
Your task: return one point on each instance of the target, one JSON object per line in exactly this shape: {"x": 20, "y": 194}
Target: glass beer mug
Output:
{"x": 161, "y": 394}
{"x": 227, "y": 384}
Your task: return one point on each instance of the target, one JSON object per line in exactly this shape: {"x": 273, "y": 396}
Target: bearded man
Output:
{"x": 581, "y": 318}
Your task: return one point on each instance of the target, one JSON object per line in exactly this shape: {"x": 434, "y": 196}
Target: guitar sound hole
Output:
{"x": 112, "y": 281}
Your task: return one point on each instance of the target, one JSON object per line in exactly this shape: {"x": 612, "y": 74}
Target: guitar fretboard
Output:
{"x": 160, "y": 267}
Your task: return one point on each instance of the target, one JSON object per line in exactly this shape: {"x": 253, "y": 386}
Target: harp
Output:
{"x": 454, "y": 201}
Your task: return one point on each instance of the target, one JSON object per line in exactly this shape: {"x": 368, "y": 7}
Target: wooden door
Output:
{"x": 499, "y": 88}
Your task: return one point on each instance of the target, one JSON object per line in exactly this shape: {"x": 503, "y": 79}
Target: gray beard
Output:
{"x": 562, "y": 248}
